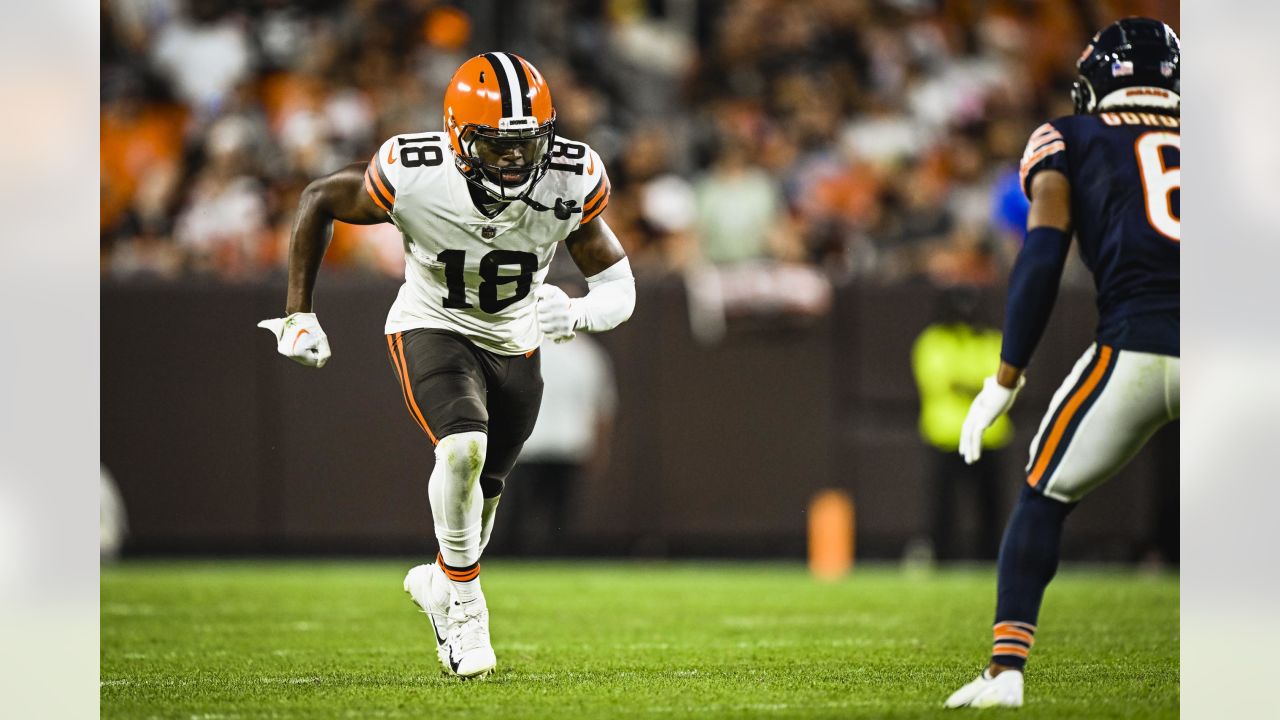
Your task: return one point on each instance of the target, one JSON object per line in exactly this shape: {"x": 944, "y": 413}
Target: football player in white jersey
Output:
{"x": 481, "y": 207}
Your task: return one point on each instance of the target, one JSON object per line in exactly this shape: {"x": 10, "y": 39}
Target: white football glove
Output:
{"x": 994, "y": 401}
{"x": 299, "y": 338}
{"x": 556, "y": 314}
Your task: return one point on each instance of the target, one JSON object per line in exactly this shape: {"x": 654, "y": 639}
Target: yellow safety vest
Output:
{"x": 950, "y": 362}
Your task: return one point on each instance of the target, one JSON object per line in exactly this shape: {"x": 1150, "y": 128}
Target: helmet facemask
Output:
{"x": 505, "y": 163}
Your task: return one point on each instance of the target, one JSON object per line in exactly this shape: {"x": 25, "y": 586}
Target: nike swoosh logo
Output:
{"x": 391, "y": 155}
{"x": 453, "y": 663}
{"x": 591, "y": 169}
{"x": 436, "y": 630}
{"x": 299, "y": 337}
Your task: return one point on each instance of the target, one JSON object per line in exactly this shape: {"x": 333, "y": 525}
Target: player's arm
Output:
{"x": 339, "y": 196}
{"x": 1033, "y": 282}
{"x": 611, "y": 288}
{"x": 1033, "y": 287}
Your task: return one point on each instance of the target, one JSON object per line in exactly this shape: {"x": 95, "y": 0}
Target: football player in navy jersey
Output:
{"x": 1111, "y": 175}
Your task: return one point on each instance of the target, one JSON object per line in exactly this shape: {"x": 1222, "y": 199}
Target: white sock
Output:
{"x": 456, "y": 503}
{"x": 468, "y": 591}
{"x": 487, "y": 511}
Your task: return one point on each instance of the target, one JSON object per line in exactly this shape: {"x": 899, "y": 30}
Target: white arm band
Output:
{"x": 610, "y": 298}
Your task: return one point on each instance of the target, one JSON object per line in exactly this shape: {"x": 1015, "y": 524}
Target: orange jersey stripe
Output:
{"x": 1069, "y": 411}
{"x": 598, "y": 205}
{"x": 376, "y": 177}
{"x": 593, "y": 214}
{"x": 1042, "y": 143}
{"x": 597, "y": 194}
{"x": 1043, "y": 130}
{"x": 369, "y": 188}
{"x": 1044, "y": 152}
{"x": 1055, "y": 146}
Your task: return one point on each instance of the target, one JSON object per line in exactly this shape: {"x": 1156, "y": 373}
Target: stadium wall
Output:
{"x": 221, "y": 446}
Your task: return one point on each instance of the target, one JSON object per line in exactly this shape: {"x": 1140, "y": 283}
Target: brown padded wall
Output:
{"x": 220, "y": 445}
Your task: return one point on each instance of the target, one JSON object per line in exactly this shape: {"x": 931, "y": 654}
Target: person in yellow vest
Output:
{"x": 950, "y": 359}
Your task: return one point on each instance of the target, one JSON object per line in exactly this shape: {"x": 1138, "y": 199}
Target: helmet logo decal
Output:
{"x": 1121, "y": 68}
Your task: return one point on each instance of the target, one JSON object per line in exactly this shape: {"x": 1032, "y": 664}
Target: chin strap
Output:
{"x": 563, "y": 210}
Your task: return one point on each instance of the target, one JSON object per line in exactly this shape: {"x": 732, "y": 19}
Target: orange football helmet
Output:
{"x": 501, "y": 124}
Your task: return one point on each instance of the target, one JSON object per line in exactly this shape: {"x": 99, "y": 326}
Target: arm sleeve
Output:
{"x": 1046, "y": 150}
{"x": 1033, "y": 287}
{"x": 382, "y": 176}
{"x": 597, "y": 188}
{"x": 610, "y": 299}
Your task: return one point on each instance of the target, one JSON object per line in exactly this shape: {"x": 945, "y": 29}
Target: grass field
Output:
{"x": 312, "y": 639}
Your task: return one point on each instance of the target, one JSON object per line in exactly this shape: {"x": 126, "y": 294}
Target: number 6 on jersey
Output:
{"x": 1160, "y": 181}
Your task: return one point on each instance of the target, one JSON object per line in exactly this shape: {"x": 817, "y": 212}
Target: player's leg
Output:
{"x": 513, "y": 392}
{"x": 444, "y": 389}
{"x": 515, "y": 395}
{"x": 1099, "y": 418}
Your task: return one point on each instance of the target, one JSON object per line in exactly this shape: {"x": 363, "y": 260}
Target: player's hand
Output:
{"x": 994, "y": 401}
{"x": 299, "y": 338}
{"x": 555, "y": 313}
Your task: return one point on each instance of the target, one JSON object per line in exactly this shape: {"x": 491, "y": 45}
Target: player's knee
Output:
{"x": 463, "y": 454}
{"x": 491, "y": 487}
{"x": 1032, "y": 498}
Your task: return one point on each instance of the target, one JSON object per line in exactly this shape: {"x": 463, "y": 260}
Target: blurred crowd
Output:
{"x": 861, "y": 140}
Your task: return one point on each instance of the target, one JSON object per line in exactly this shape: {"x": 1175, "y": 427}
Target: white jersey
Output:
{"x": 466, "y": 272}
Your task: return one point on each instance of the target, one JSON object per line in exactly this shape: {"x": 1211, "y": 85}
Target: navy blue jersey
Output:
{"x": 1125, "y": 175}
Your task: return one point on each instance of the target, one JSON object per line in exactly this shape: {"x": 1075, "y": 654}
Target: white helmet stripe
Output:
{"x": 509, "y": 69}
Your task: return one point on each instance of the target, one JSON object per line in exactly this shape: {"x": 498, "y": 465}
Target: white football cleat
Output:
{"x": 431, "y": 591}
{"x": 1003, "y": 690}
{"x": 470, "y": 654}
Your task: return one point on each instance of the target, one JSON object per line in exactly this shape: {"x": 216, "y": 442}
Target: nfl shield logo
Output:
{"x": 488, "y": 231}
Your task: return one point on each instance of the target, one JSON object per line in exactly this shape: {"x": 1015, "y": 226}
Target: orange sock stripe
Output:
{"x": 462, "y": 577}
{"x": 465, "y": 575}
{"x": 1014, "y": 625}
{"x": 1014, "y": 634}
{"x": 408, "y": 390}
{"x": 1017, "y": 650}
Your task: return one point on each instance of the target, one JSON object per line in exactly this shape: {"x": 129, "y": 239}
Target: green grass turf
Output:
{"x": 315, "y": 639}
